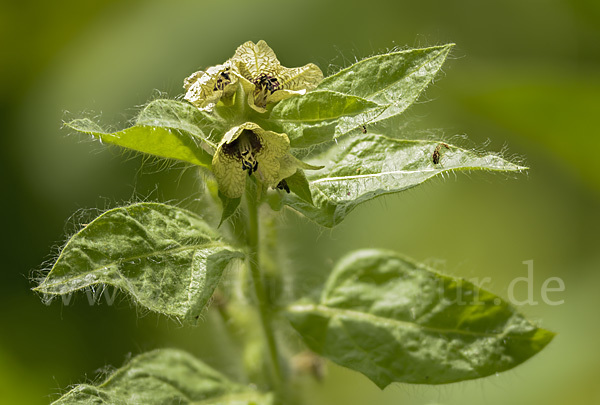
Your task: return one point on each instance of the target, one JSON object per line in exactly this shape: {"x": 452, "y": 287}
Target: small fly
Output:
{"x": 436, "y": 153}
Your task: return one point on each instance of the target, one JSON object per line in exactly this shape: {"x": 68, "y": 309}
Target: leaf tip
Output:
{"x": 543, "y": 337}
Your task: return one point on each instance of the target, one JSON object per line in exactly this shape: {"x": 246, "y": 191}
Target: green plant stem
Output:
{"x": 259, "y": 289}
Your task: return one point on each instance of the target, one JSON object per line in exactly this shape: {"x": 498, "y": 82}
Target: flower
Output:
{"x": 256, "y": 73}
{"x": 264, "y": 154}
{"x": 263, "y": 79}
{"x": 204, "y": 89}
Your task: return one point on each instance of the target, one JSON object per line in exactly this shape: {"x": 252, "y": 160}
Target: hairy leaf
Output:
{"x": 393, "y": 80}
{"x": 166, "y": 258}
{"x": 182, "y": 116}
{"x": 371, "y": 165}
{"x": 397, "y": 321}
{"x": 164, "y": 377}
{"x": 230, "y": 205}
{"x": 164, "y": 128}
{"x": 298, "y": 185}
{"x": 316, "y": 117}
{"x": 369, "y": 91}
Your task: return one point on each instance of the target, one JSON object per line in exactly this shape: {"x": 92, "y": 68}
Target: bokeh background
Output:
{"x": 524, "y": 78}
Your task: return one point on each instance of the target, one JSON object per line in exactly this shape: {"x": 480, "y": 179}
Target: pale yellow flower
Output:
{"x": 204, "y": 89}
{"x": 265, "y": 80}
{"x": 250, "y": 149}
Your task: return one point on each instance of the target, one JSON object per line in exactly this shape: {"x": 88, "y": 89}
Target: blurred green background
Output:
{"x": 523, "y": 78}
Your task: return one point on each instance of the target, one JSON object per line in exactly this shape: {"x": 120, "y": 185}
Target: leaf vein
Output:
{"x": 348, "y": 313}
{"x": 121, "y": 260}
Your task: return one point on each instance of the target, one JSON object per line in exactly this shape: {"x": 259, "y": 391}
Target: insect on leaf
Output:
{"x": 369, "y": 166}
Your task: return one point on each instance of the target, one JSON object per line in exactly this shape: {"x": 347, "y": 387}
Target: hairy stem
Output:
{"x": 259, "y": 289}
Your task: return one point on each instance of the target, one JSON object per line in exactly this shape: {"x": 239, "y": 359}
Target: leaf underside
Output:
{"x": 369, "y": 166}
{"x": 164, "y": 377}
{"x": 166, "y": 258}
{"x": 164, "y": 128}
{"x": 397, "y": 321}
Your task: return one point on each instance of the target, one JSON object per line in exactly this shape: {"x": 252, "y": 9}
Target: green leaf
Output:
{"x": 166, "y": 258}
{"x": 369, "y": 166}
{"x": 298, "y": 184}
{"x": 394, "y": 79}
{"x": 317, "y": 106}
{"x": 382, "y": 78}
{"x": 182, "y": 116}
{"x": 369, "y": 91}
{"x": 164, "y": 377}
{"x": 317, "y": 116}
{"x": 230, "y": 205}
{"x": 397, "y": 321}
{"x": 165, "y": 128}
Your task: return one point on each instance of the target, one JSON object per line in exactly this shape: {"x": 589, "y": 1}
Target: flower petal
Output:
{"x": 228, "y": 168}
{"x": 287, "y": 167}
{"x": 265, "y": 80}
{"x": 283, "y": 94}
{"x": 306, "y": 77}
{"x": 274, "y": 147}
{"x": 289, "y": 164}
{"x": 252, "y": 60}
{"x": 249, "y": 89}
{"x": 230, "y": 175}
{"x": 228, "y": 171}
